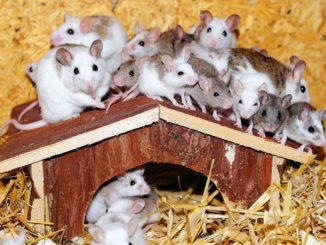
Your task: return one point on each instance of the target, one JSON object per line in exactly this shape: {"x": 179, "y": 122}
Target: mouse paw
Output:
{"x": 238, "y": 124}
{"x": 249, "y": 129}
{"x": 216, "y": 116}
{"x": 261, "y": 133}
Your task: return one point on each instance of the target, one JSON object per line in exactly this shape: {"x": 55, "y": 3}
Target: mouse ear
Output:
{"x": 96, "y": 233}
{"x": 197, "y": 32}
{"x": 262, "y": 87}
{"x": 153, "y": 35}
{"x": 125, "y": 57}
{"x": 205, "y": 84}
{"x": 304, "y": 113}
{"x": 185, "y": 53}
{"x": 137, "y": 206}
{"x": 295, "y": 75}
{"x": 322, "y": 114}
{"x": 178, "y": 32}
{"x": 263, "y": 97}
{"x": 286, "y": 101}
{"x": 138, "y": 27}
{"x": 63, "y": 56}
{"x": 67, "y": 16}
{"x": 96, "y": 48}
{"x": 121, "y": 177}
{"x": 140, "y": 61}
{"x": 167, "y": 63}
{"x": 140, "y": 171}
{"x": 206, "y": 17}
{"x": 237, "y": 87}
{"x": 85, "y": 25}
{"x": 294, "y": 59}
{"x": 232, "y": 22}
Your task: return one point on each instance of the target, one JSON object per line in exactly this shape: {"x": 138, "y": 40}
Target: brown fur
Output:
{"x": 268, "y": 65}
{"x": 100, "y": 24}
{"x": 165, "y": 42}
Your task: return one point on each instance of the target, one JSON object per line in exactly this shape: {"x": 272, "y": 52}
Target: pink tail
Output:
{"x": 20, "y": 126}
{"x": 27, "y": 109}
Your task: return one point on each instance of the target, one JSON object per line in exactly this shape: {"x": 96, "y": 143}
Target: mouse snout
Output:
{"x": 144, "y": 189}
{"x": 117, "y": 80}
{"x": 245, "y": 114}
{"x": 213, "y": 44}
{"x": 228, "y": 102}
{"x": 90, "y": 89}
{"x": 269, "y": 127}
{"x": 55, "y": 40}
{"x": 192, "y": 80}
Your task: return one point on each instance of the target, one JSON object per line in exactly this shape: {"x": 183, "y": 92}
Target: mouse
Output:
{"x": 271, "y": 115}
{"x": 85, "y": 30}
{"x": 214, "y": 33}
{"x": 129, "y": 184}
{"x": 69, "y": 79}
{"x": 164, "y": 76}
{"x": 9, "y": 240}
{"x": 181, "y": 38}
{"x": 148, "y": 42}
{"x": 245, "y": 88}
{"x": 304, "y": 126}
{"x": 114, "y": 227}
{"x": 30, "y": 71}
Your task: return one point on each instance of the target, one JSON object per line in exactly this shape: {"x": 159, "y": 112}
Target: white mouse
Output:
{"x": 69, "y": 79}
{"x": 114, "y": 227}
{"x": 87, "y": 29}
{"x": 304, "y": 126}
{"x": 30, "y": 71}
{"x": 9, "y": 240}
{"x": 129, "y": 184}
{"x": 216, "y": 34}
{"x": 164, "y": 76}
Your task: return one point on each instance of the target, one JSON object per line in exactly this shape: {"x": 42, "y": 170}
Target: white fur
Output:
{"x": 114, "y": 190}
{"x": 65, "y": 95}
{"x": 297, "y": 95}
{"x": 112, "y": 46}
{"x": 31, "y": 74}
{"x": 134, "y": 49}
{"x": 9, "y": 240}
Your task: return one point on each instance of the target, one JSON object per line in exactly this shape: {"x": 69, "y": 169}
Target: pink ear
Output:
{"x": 138, "y": 27}
{"x": 64, "y": 57}
{"x": 304, "y": 114}
{"x": 298, "y": 70}
{"x": 125, "y": 55}
{"x": 178, "y": 32}
{"x": 286, "y": 101}
{"x": 262, "y": 87}
{"x": 153, "y": 35}
{"x": 294, "y": 59}
{"x": 96, "y": 233}
{"x": 206, "y": 17}
{"x": 238, "y": 87}
{"x": 232, "y": 22}
{"x": 185, "y": 53}
{"x": 85, "y": 25}
{"x": 205, "y": 84}
{"x": 263, "y": 97}
{"x": 96, "y": 48}
{"x": 168, "y": 63}
{"x": 137, "y": 206}
{"x": 197, "y": 32}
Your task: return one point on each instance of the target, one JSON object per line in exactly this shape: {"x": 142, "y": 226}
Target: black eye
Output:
{"x": 209, "y": 30}
{"x": 70, "y": 31}
{"x": 256, "y": 104}
{"x": 264, "y": 113}
{"x": 302, "y": 89}
{"x": 118, "y": 69}
{"x": 76, "y": 71}
{"x": 142, "y": 43}
{"x": 224, "y": 33}
{"x": 95, "y": 68}
{"x": 129, "y": 243}
{"x": 311, "y": 129}
{"x": 216, "y": 94}
{"x": 30, "y": 69}
{"x": 229, "y": 91}
{"x": 180, "y": 73}
{"x": 279, "y": 115}
{"x": 132, "y": 182}
{"x": 240, "y": 101}
{"x": 131, "y": 73}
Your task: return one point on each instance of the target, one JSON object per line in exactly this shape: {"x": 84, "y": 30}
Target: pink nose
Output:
{"x": 145, "y": 190}
{"x": 193, "y": 80}
{"x": 228, "y": 103}
{"x": 245, "y": 115}
{"x": 55, "y": 40}
{"x": 214, "y": 43}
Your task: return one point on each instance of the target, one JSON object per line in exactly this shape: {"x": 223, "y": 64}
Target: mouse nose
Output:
{"x": 214, "y": 44}
{"x": 55, "y": 40}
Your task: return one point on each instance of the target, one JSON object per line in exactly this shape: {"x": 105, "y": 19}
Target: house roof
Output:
{"x": 27, "y": 147}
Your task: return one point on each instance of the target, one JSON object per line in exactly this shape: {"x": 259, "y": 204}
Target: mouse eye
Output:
{"x": 30, "y": 69}
{"x": 129, "y": 243}
{"x": 95, "y": 68}
{"x": 216, "y": 94}
{"x": 279, "y": 115}
{"x": 70, "y": 31}
{"x": 229, "y": 91}
{"x": 256, "y": 104}
{"x": 224, "y": 33}
{"x": 118, "y": 68}
{"x": 264, "y": 113}
{"x": 209, "y": 30}
{"x": 142, "y": 43}
{"x": 180, "y": 73}
{"x": 302, "y": 89}
{"x": 311, "y": 129}
{"x": 131, "y": 73}
{"x": 240, "y": 101}
{"x": 76, "y": 71}
{"x": 132, "y": 182}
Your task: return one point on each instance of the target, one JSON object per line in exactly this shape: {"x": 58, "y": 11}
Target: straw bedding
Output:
{"x": 282, "y": 27}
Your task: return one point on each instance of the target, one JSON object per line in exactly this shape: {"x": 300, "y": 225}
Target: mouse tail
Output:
{"x": 20, "y": 126}
{"x": 27, "y": 109}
